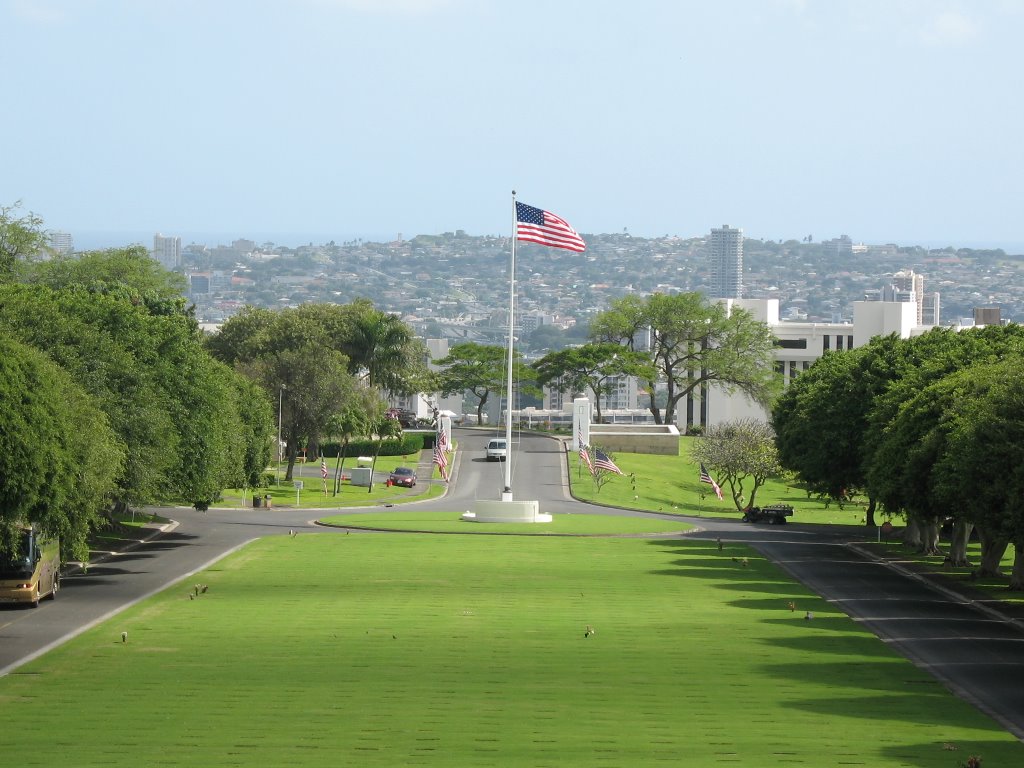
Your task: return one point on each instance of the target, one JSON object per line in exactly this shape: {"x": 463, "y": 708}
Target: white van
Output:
{"x": 497, "y": 450}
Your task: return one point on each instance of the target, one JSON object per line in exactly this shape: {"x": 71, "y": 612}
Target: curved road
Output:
{"x": 974, "y": 650}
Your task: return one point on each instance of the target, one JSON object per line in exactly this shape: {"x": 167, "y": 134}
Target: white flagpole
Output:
{"x": 506, "y": 494}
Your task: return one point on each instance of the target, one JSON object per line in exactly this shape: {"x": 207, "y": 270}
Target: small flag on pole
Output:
{"x": 705, "y": 477}
{"x": 603, "y": 461}
{"x": 323, "y": 468}
{"x": 584, "y": 453}
{"x": 544, "y": 228}
{"x": 441, "y": 460}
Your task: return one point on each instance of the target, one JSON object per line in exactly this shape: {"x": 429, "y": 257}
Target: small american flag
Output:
{"x": 544, "y": 228}
{"x": 705, "y": 477}
{"x": 603, "y": 461}
{"x": 441, "y": 460}
{"x": 584, "y": 453}
{"x": 323, "y": 468}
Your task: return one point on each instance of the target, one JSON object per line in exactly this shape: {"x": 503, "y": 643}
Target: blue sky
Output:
{"x": 888, "y": 120}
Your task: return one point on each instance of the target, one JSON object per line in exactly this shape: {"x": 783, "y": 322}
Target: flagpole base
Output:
{"x": 506, "y": 511}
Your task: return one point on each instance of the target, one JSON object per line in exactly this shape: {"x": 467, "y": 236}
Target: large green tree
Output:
{"x": 167, "y": 400}
{"x": 313, "y": 386}
{"x": 981, "y": 471}
{"x": 58, "y": 455}
{"x": 820, "y": 421}
{"x": 480, "y": 370}
{"x": 590, "y": 367}
{"x": 692, "y": 343}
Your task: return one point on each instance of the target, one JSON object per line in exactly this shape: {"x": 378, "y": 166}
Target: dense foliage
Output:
{"x": 929, "y": 427}
{"x": 691, "y": 343}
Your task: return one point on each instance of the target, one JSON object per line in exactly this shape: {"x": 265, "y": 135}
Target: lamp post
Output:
{"x": 280, "y": 404}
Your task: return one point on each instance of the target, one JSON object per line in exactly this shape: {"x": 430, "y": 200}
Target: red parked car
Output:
{"x": 402, "y": 476}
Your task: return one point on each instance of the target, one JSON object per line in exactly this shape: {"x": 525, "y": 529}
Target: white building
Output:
{"x": 61, "y": 242}
{"x": 167, "y": 250}
{"x": 423, "y": 403}
{"x": 800, "y": 344}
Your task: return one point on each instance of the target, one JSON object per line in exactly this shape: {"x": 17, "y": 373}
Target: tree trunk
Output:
{"x": 340, "y": 466}
{"x": 930, "y": 537}
{"x": 992, "y": 551}
{"x": 653, "y": 406}
{"x": 912, "y": 534}
{"x": 869, "y": 515}
{"x": 957, "y": 556}
{"x": 293, "y": 452}
{"x": 1017, "y": 576}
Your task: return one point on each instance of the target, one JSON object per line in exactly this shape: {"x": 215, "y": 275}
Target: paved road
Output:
{"x": 976, "y": 653}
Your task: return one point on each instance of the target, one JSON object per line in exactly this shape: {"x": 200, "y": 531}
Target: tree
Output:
{"x": 692, "y": 343}
{"x": 820, "y": 421}
{"x": 58, "y": 455}
{"x": 387, "y": 359}
{"x": 591, "y": 366}
{"x": 736, "y": 452}
{"x": 480, "y": 370}
{"x": 172, "y": 407}
{"x": 21, "y": 237}
{"x": 382, "y": 348}
{"x": 130, "y": 269}
{"x": 316, "y": 386}
{"x": 356, "y": 417}
{"x": 980, "y": 473}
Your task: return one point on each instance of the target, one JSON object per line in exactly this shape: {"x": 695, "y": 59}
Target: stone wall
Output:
{"x": 636, "y": 438}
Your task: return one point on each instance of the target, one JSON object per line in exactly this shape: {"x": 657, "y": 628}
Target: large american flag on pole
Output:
{"x": 544, "y": 228}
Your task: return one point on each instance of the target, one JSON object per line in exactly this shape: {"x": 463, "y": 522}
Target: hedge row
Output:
{"x": 406, "y": 445}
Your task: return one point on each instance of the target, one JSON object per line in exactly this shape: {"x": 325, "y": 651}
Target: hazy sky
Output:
{"x": 888, "y": 120}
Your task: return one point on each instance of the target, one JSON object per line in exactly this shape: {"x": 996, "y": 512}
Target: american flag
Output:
{"x": 602, "y": 461}
{"x": 705, "y": 477}
{"x": 584, "y": 453}
{"x": 442, "y": 439}
{"x": 323, "y": 468}
{"x": 544, "y": 228}
{"x": 441, "y": 460}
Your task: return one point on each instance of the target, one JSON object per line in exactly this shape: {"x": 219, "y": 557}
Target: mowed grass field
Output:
{"x": 412, "y": 649}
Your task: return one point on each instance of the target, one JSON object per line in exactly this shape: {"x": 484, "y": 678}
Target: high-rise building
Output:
{"x": 62, "y": 242}
{"x": 910, "y": 281}
{"x": 908, "y": 286}
{"x": 167, "y": 250}
{"x": 726, "y": 251}
{"x": 930, "y": 310}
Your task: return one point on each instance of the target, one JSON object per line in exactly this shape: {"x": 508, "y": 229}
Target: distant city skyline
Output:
{"x": 891, "y": 122}
{"x": 85, "y": 240}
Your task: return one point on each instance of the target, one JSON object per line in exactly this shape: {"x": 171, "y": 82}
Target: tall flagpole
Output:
{"x": 506, "y": 493}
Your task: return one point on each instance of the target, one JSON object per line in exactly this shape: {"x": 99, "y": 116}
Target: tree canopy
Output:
{"x": 692, "y": 343}
{"x": 480, "y": 370}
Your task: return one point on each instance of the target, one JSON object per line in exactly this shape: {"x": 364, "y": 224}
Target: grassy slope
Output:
{"x": 387, "y": 650}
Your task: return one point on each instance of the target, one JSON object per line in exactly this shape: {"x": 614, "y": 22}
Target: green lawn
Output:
{"x": 671, "y": 484}
{"x": 385, "y": 650}
{"x": 312, "y": 496}
{"x": 451, "y": 522}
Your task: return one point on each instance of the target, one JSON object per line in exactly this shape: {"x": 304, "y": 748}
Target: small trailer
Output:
{"x": 773, "y": 514}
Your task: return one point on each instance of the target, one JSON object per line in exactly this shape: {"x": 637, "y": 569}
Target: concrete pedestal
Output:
{"x": 506, "y": 512}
